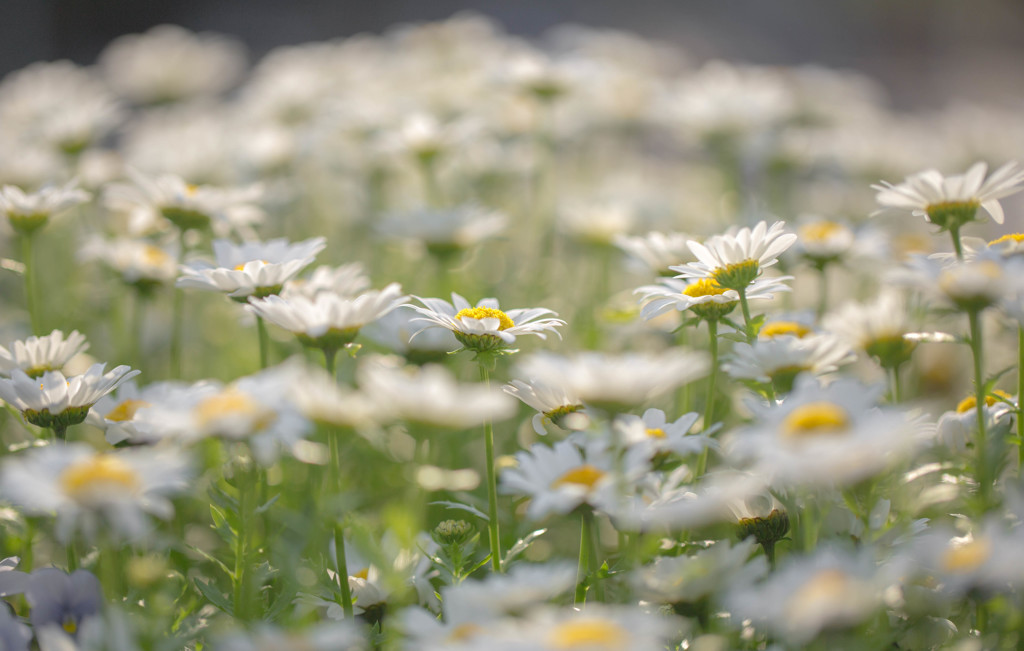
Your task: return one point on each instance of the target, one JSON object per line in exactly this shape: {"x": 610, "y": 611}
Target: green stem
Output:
{"x": 72, "y": 554}
{"x": 588, "y": 563}
{"x": 1020, "y": 393}
{"x": 135, "y": 334}
{"x": 954, "y": 232}
{"x": 261, "y": 329}
{"x": 177, "y": 332}
{"x": 110, "y": 570}
{"x": 709, "y": 402}
{"x": 809, "y": 524}
{"x": 31, "y": 295}
{"x": 330, "y": 359}
{"x": 684, "y": 397}
{"x": 981, "y": 443}
{"x": 244, "y": 477}
{"x": 27, "y": 557}
{"x": 746, "y": 316}
{"x": 345, "y": 596}
{"x": 492, "y": 484}
{"x": 895, "y": 390}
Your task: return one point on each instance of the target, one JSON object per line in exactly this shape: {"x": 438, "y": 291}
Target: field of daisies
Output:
{"x": 444, "y": 339}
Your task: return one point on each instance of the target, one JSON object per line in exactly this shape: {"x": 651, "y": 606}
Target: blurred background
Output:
{"x": 924, "y": 52}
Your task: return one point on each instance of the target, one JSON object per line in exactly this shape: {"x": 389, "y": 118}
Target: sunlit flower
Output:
{"x": 781, "y": 359}
{"x": 524, "y": 587}
{"x": 140, "y": 263}
{"x": 346, "y": 280}
{"x": 984, "y": 561}
{"x": 735, "y": 259}
{"x": 689, "y": 579}
{"x": 88, "y": 490}
{"x": 56, "y": 401}
{"x": 252, "y": 268}
{"x": 485, "y": 326}
{"x": 36, "y": 355}
{"x": 704, "y": 297}
{"x": 822, "y": 241}
{"x": 616, "y": 381}
{"x": 971, "y": 285}
{"x": 877, "y": 327}
{"x": 956, "y": 428}
{"x": 599, "y": 626}
{"x": 951, "y": 201}
{"x": 446, "y": 230}
{"x": 327, "y": 320}
{"x": 653, "y": 432}
{"x": 29, "y": 211}
{"x": 656, "y": 251}
{"x": 115, "y": 412}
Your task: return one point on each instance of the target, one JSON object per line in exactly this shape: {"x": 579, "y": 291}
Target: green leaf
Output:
{"x": 222, "y": 526}
{"x": 463, "y": 507}
{"x": 214, "y": 597}
{"x": 216, "y": 561}
{"x": 755, "y": 325}
{"x": 270, "y": 502}
{"x": 990, "y": 382}
{"x": 522, "y": 544}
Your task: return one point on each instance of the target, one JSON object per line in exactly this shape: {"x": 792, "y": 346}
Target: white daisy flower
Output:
{"x": 957, "y": 428}
{"x": 822, "y": 241}
{"x": 877, "y": 327}
{"x": 321, "y": 399}
{"x": 484, "y": 327}
{"x": 395, "y": 329}
{"x": 951, "y": 201}
{"x": 736, "y": 258}
{"x": 169, "y": 63}
{"x": 970, "y": 285}
{"x": 36, "y": 355}
{"x": 616, "y": 382}
{"x": 654, "y": 433}
{"x": 704, "y": 297}
{"x": 829, "y": 590}
{"x": 562, "y": 477}
{"x": 553, "y": 404}
{"x": 87, "y": 489}
{"x": 56, "y": 401}
{"x": 251, "y": 268}
{"x": 115, "y": 412}
{"x": 598, "y": 626}
{"x": 689, "y": 579}
{"x": 346, "y": 280}
{"x": 430, "y": 395}
{"x": 824, "y": 436}
{"x": 984, "y": 560}
{"x": 327, "y": 320}
{"x": 140, "y": 263}
{"x": 28, "y": 212}
{"x": 523, "y": 588}
{"x": 331, "y": 636}
{"x": 780, "y": 360}
{"x": 656, "y": 251}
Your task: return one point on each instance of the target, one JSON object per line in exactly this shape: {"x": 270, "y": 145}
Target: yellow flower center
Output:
{"x": 966, "y": 557}
{"x": 232, "y": 403}
{"x": 1013, "y": 238}
{"x": 949, "y": 281}
{"x": 815, "y": 419}
{"x": 465, "y": 632}
{"x": 585, "y": 475}
{"x": 100, "y": 472}
{"x": 70, "y": 626}
{"x": 829, "y": 585}
{"x": 970, "y": 402}
{"x": 704, "y": 287}
{"x": 363, "y": 574}
{"x": 781, "y": 328}
{"x": 240, "y": 267}
{"x": 504, "y": 323}
{"x": 820, "y": 231}
{"x": 656, "y": 433}
{"x": 125, "y": 410}
{"x": 588, "y": 633}
{"x": 155, "y": 256}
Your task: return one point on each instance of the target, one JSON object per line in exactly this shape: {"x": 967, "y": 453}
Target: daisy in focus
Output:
{"x": 58, "y": 402}
{"x": 257, "y": 269}
{"x": 484, "y": 327}
{"x": 89, "y": 490}
{"x": 735, "y": 259}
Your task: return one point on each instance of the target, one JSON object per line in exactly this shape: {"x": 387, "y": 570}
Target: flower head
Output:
{"x": 56, "y": 401}
{"x": 36, "y": 355}
{"x": 484, "y": 327}
{"x": 735, "y": 259}
{"x": 251, "y": 268}
{"x": 28, "y": 212}
{"x": 952, "y": 201}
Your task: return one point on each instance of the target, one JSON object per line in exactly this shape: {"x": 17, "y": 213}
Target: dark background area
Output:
{"x": 926, "y": 52}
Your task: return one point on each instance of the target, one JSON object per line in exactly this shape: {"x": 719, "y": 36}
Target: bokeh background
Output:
{"x": 924, "y": 52}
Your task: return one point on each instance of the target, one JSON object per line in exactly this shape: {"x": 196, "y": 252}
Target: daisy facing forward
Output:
{"x": 952, "y": 201}
{"x": 485, "y": 327}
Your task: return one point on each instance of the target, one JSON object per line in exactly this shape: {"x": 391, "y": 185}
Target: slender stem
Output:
{"x": 110, "y": 569}
{"x": 684, "y": 397}
{"x": 135, "y": 327}
{"x": 492, "y": 484}
{"x": 244, "y": 477}
{"x": 345, "y": 596}
{"x": 594, "y": 556}
{"x": 981, "y": 443}
{"x": 72, "y": 553}
{"x": 769, "y": 551}
{"x": 1020, "y": 393}
{"x": 261, "y": 329}
{"x": 177, "y": 332}
{"x": 31, "y": 296}
{"x": 895, "y": 390}
{"x": 330, "y": 359}
{"x": 955, "y": 234}
{"x": 808, "y": 521}
{"x": 746, "y": 315}
{"x": 822, "y": 290}
{"x": 27, "y": 557}
{"x": 709, "y": 402}
{"x": 584, "y": 563}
